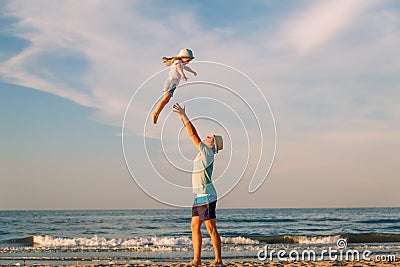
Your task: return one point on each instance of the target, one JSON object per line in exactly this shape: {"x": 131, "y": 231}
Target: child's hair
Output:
{"x": 168, "y": 60}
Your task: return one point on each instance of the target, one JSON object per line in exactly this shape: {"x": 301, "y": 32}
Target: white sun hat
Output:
{"x": 185, "y": 53}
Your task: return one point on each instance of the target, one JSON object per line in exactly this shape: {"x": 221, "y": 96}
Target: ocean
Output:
{"x": 70, "y": 236}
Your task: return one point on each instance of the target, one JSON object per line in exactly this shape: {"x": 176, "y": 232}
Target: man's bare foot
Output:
{"x": 216, "y": 263}
{"x": 155, "y": 117}
{"x": 194, "y": 263}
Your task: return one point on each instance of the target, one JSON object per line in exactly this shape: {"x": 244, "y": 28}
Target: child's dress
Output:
{"x": 174, "y": 77}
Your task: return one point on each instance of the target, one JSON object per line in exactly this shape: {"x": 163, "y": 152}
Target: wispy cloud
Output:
{"x": 321, "y": 23}
{"x": 122, "y": 46}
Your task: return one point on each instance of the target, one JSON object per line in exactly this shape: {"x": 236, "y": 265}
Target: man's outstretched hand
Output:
{"x": 191, "y": 130}
{"x": 180, "y": 111}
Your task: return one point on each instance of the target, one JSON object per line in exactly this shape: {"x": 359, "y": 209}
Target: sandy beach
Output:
{"x": 241, "y": 264}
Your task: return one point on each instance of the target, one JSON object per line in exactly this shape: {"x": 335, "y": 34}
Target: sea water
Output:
{"x": 35, "y": 237}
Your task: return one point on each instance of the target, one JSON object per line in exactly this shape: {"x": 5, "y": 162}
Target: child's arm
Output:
{"x": 190, "y": 70}
{"x": 180, "y": 71}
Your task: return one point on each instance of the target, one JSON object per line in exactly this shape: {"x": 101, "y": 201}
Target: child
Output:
{"x": 177, "y": 65}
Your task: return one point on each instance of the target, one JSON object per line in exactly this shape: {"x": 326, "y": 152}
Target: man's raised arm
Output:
{"x": 190, "y": 129}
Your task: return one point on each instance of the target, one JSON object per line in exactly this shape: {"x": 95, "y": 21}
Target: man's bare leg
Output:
{"x": 196, "y": 241}
{"x": 216, "y": 240}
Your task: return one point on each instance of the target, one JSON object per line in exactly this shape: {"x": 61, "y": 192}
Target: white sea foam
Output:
{"x": 169, "y": 244}
{"x": 95, "y": 241}
{"x": 165, "y": 244}
{"x": 171, "y": 241}
{"x": 239, "y": 241}
{"x": 318, "y": 239}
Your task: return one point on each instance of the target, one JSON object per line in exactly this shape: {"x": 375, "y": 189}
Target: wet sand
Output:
{"x": 242, "y": 264}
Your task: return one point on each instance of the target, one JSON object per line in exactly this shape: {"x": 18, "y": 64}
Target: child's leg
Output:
{"x": 160, "y": 106}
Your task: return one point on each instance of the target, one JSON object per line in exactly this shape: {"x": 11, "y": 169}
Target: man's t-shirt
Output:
{"x": 202, "y": 171}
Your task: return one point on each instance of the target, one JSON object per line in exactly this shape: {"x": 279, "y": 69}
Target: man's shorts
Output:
{"x": 169, "y": 87}
{"x": 205, "y": 211}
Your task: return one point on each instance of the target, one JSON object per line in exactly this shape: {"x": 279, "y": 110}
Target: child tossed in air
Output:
{"x": 177, "y": 65}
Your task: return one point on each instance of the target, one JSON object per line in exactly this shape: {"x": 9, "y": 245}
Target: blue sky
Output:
{"x": 329, "y": 70}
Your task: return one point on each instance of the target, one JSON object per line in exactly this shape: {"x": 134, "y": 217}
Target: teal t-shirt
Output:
{"x": 202, "y": 171}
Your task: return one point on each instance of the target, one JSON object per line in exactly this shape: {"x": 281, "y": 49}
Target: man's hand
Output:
{"x": 191, "y": 130}
{"x": 180, "y": 111}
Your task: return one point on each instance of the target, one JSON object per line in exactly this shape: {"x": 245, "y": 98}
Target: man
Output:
{"x": 206, "y": 197}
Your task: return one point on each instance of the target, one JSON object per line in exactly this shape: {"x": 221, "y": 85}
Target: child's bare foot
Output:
{"x": 155, "y": 117}
{"x": 216, "y": 263}
{"x": 194, "y": 263}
